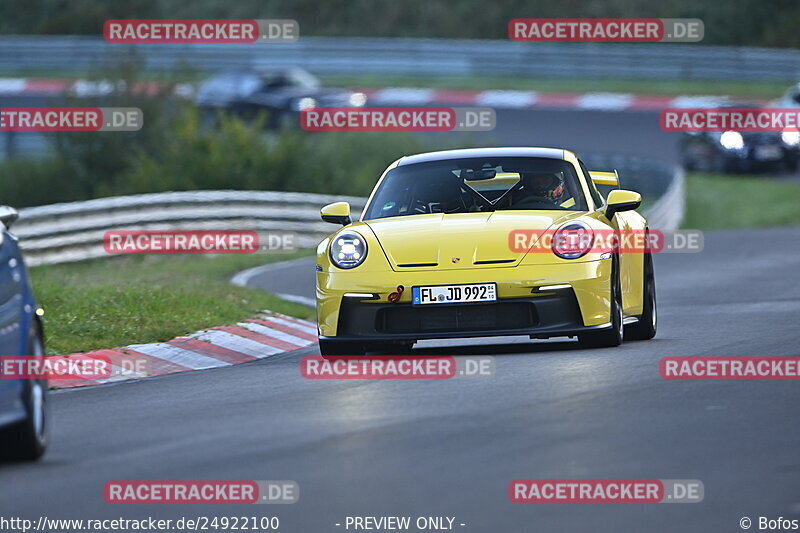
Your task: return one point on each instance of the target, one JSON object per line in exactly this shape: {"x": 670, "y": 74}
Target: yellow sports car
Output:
{"x": 484, "y": 242}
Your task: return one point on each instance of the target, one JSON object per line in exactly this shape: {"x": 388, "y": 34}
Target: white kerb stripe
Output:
{"x": 506, "y": 98}
{"x": 309, "y": 323}
{"x": 404, "y": 95}
{"x": 179, "y": 356}
{"x": 119, "y": 373}
{"x": 288, "y": 323}
{"x": 92, "y": 88}
{"x": 12, "y": 85}
{"x": 274, "y": 333}
{"x": 605, "y": 101}
{"x": 699, "y": 101}
{"x": 125, "y": 377}
{"x": 235, "y": 343}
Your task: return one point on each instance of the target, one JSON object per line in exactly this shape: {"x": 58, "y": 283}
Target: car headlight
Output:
{"x": 572, "y": 240}
{"x": 732, "y": 140}
{"x": 348, "y": 250}
{"x": 792, "y": 138}
{"x": 305, "y": 103}
{"x": 357, "y": 99}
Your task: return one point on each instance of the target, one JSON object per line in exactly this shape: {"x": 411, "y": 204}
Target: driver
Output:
{"x": 539, "y": 185}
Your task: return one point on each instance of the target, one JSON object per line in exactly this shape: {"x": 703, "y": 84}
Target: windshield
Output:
{"x": 239, "y": 84}
{"x": 478, "y": 185}
{"x": 288, "y": 78}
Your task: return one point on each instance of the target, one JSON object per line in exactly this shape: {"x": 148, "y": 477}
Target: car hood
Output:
{"x": 460, "y": 240}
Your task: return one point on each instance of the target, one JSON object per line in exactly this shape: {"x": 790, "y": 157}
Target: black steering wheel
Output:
{"x": 450, "y": 206}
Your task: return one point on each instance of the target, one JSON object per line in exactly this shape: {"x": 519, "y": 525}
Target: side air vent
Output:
{"x": 417, "y": 265}
{"x": 494, "y": 262}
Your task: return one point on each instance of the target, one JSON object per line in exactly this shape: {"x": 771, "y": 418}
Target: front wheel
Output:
{"x": 645, "y": 328}
{"x": 27, "y": 440}
{"x": 612, "y": 336}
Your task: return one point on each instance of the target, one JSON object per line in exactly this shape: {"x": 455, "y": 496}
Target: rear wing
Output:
{"x": 604, "y": 178}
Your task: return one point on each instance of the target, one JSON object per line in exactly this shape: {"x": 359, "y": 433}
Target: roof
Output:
{"x": 552, "y": 153}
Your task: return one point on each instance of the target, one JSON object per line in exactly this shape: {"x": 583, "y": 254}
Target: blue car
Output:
{"x": 23, "y": 402}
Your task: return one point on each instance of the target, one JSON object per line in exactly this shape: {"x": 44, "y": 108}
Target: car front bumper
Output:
{"x": 354, "y": 305}
{"x": 549, "y": 315}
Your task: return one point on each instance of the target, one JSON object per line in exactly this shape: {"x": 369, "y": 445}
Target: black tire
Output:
{"x": 287, "y": 120}
{"x": 723, "y": 165}
{"x": 27, "y": 440}
{"x": 645, "y": 328}
{"x": 687, "y": 161}
{"x": 613, "y": 336}
{"x": 329, "y": 347}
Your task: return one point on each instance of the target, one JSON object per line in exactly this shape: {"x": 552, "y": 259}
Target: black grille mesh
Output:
{"x": 433, "y": 318}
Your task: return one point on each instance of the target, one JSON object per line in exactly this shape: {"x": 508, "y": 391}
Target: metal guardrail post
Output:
{"x": 9, "y": 144}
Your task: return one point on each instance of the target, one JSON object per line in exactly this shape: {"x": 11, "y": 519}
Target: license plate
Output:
{"x": 768, "y": 153}
{"x": 450, "y": 294}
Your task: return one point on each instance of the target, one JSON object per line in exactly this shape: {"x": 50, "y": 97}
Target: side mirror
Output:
{"x": 8, "y": 215}
{"x": 621, "y": 200}
{"x": 336, "y": 213}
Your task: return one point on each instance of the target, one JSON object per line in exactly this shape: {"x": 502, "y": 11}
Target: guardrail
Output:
{"x": 68, "y": 232}
{"x": 667, "y": 213}
{"x": 348, "y": 55}
{"x": 661, "y": 186}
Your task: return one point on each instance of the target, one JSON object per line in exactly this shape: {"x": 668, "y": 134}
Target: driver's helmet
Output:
{"x": 544, "y": 185}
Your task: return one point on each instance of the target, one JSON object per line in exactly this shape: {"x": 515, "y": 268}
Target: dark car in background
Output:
{"x": 734, "y": 151}
{"x": 280, "y": 93}
{"x": 23, "y": 402}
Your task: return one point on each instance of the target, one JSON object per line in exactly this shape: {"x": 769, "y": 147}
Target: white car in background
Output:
{"x": 791, "y": 98}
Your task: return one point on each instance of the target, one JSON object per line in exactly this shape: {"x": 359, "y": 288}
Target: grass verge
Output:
{"x": 715, "y": 201}
{"x": 114, "y": 302}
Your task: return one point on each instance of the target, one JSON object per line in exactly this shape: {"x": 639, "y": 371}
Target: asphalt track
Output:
{"x": 450, "y": 447}
{"x": 633, "y": 132}
{"x": 586, "y": 131}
